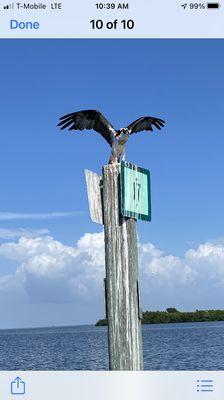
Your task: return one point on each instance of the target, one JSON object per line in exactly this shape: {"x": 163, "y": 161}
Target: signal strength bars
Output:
{"x": 9, "y": 6}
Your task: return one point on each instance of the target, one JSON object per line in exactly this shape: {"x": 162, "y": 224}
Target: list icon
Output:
{"x": 205, "y": 385}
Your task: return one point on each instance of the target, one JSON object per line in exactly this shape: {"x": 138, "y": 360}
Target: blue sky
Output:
{"x": 42, "y": 181}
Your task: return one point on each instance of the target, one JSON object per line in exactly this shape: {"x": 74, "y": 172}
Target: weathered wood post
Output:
{"x": 122, "y": 297}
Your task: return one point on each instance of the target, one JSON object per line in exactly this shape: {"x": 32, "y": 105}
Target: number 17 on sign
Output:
{"x": 135, "y": 192}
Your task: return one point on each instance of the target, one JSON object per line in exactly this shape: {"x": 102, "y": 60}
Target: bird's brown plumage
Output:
{"x": 92, "y": 119}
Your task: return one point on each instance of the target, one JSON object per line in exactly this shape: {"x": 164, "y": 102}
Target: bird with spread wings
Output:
{"x": 117, "y": 139}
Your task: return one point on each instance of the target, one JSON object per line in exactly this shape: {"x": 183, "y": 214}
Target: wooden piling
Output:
{"x": 123, "y": 314}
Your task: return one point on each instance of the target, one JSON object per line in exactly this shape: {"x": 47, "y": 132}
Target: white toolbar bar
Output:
{"x": 128, "y": 19}
{"x": 159, "y": 385}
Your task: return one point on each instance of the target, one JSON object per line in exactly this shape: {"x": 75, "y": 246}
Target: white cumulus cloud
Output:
{"x": 46, "y": 270}
{"x": 52, "y": 271}
{"x": 164, "y": 269}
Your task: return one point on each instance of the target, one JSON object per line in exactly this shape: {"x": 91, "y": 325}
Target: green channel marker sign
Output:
{"x": 135, "y": 192}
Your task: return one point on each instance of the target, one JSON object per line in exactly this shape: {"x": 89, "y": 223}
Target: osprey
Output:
{"x": 117, "y": 139}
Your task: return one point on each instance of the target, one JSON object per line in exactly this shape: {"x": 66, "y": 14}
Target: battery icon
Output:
{"x": 213, "y": 5}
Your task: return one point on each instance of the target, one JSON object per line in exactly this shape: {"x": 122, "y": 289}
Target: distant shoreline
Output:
{"x": 172, "y": 315}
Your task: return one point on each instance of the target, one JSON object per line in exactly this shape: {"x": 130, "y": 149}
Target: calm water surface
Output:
{"x": 190, "y": 346}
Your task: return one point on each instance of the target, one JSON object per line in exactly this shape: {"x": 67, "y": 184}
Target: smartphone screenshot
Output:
{"x": 111, "y": 200}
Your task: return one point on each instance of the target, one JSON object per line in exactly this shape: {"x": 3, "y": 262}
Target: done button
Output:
{"x": 27, "y": 25}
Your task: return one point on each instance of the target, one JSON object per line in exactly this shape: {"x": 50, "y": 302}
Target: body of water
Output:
{"x": 188, "y": 346}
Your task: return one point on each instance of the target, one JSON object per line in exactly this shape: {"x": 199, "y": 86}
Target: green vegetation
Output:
{"x": 172, "y": 315}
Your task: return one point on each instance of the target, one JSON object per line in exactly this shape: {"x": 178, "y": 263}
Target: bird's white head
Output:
{"x": 124, "y": 134}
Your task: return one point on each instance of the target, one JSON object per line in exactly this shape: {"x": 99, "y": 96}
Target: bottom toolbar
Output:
{"x": 158, "y": 385}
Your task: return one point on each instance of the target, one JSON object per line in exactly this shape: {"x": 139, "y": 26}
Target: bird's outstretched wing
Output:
{"x": 146, "y": 124}
{"x": 89, "y": 119}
